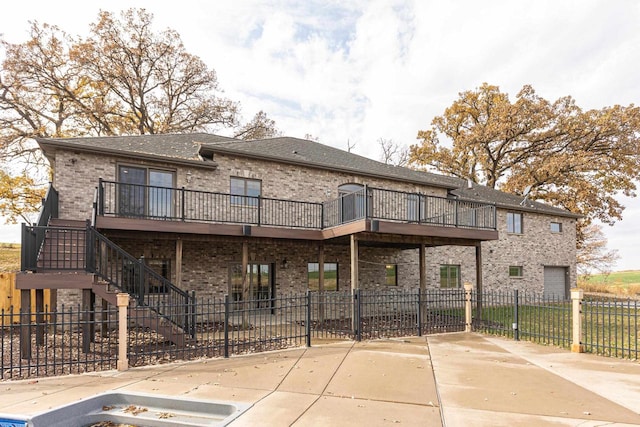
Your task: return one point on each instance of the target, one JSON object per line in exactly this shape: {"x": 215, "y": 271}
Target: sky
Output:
{"x": 351, "y": 72}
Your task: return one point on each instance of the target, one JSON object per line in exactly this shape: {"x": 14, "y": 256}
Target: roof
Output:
{"x": 196, "y": 148}
{"x": 481, "y": 193}
{"x": 309, "y": 153}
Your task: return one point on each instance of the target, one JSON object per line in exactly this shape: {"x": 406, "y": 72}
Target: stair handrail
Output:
{"x": 33, "y": 236}
{"x": 133, "y": 276}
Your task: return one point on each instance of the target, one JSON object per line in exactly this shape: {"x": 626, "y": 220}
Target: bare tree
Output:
{"x": 393, "y": 153}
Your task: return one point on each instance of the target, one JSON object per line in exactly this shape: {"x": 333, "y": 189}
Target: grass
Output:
{"x": 621, "y": 283}
{"x": 9, "y": 257}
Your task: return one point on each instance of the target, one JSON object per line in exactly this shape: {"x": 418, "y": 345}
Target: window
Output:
{"x": 514, "y": 222}
{"x": 260, "y": 283}
{"x": 352, "y": 202}
{"x": 515, "y": 271}
{"x": 330, "y": 276}
{"x": 556, "y": 227}
{"x": 245, "y": 191}
{"x": 145, "y": 192}
{"x": 449, "y": 276}
{"x": 392, "y": 274}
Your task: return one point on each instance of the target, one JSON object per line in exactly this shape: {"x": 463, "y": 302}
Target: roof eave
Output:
{"x": 49, "y": 143}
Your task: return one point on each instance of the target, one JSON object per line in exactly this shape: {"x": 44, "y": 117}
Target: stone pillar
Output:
{"x": 576, "y": 302}
{"x": 468, "y": 314}
{"x": 122, "y": 300}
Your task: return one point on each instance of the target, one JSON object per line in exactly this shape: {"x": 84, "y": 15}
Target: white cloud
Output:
{"x": 359, "y": 70}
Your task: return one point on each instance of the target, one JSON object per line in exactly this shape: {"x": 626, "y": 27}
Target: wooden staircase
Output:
{"x": 62, "y": 264}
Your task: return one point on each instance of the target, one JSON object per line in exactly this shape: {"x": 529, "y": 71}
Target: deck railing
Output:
{"x": 180, "y": 204}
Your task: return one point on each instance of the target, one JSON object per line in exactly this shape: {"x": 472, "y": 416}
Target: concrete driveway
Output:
{"x": 458, "y": 379}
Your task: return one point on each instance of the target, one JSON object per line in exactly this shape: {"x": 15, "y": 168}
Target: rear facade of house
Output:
{"x": 260, "y": 219}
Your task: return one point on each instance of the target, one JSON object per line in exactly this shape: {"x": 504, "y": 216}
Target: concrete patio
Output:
{"x": 458, "y": 379}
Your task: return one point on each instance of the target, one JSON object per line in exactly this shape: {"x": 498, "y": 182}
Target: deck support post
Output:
{"x": 25, "y": 324}
{"x": 179, "y": 262}
{"x": 88, "y": 319}
{"x": 422, "y": 265}
{"x": 320, "y": 282}
{"x": 479, "y": 280}
{"x": 355, "y": 283}
{"x": 39, "y": 317}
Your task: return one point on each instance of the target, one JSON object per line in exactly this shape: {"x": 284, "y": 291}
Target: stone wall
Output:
{"x": 534, "y": 249}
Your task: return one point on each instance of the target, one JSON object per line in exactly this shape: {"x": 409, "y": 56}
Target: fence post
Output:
{"x": 122, "y": 301}
{"x": 419, "y": 312}
{"x": 226, "y": 326}
{"x": 515, "y": 325}
{"x": 357, "y": 321}
{"x": 307, "y": 329}
{"x": 468, "y": 318}
{"x": 576, "y": 302}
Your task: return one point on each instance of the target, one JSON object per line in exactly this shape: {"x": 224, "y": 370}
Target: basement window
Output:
{"x": 515, "y": 271}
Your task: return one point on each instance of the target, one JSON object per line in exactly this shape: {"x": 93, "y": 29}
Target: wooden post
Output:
{"x": 122, "y": 300}
{"x": 321, "y": 268}
{"x": 468, "y": 316}
{"x": 321, "y": 283}
{"x": 179, "y": 262}
{"x": 479, "y": 279}
{"x": 88, "y": 319}
{"x": 245, "y": 284}
{"x": 576, "y": 303}
{"x": 422, "y": 265}
{"x": 39, "y": 317}
{"x": 25, "y": 324}
{"x": 355, "y": 283}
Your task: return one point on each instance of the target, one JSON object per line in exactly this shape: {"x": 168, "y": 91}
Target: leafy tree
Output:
{"x": 260, "y": 127}
{"x": 18, "y": 197}
{"x": 123, "y": 79}
{"x": 592, "y": 252}
{"x": 567, "y": 157}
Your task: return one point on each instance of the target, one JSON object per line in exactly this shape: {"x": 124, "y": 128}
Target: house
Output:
{"x": 177, "y": 214}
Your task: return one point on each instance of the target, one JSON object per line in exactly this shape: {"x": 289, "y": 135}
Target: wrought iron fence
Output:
{"x": 82, "y": 340}
{"x": 67, "y": 341}
{"x": 520, "y": 315}
{"x": 610, "y": 326}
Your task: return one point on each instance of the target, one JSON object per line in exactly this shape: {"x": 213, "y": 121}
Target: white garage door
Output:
{"x": 555, "y": 282}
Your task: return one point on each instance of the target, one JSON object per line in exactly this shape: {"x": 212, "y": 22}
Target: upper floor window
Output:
{"x": 449, "y": 276}
{"x": 556, "y": 227}
{"x": 145, "y": 191}
{"x": 514, "y": 222}
{"x": 245, "y": 191}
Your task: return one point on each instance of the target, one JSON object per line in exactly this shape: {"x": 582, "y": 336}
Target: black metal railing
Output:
{"x": 519, "y": 315}
{"x": 32, "y": 239}
{"x": 611, "y": 326}
{"x": 179, "y": 204}
{"x": 424, "y": 209}
{"x": 69, "y": 340}
{"x": 123, "y": 271}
